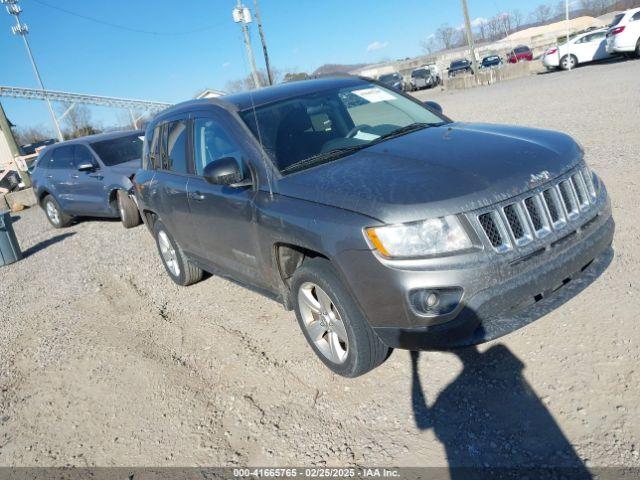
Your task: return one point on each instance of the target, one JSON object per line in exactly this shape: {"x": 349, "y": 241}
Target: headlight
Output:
{"x": 419, "y": 239}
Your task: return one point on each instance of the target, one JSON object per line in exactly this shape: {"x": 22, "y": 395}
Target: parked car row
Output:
{"x": 380, "y": 221}
{"x": 621, "y": 37}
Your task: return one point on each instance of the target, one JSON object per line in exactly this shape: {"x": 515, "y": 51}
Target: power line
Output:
{"x": 125, "y": 27}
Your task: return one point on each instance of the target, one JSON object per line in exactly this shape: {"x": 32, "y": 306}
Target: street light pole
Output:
{"x": 242, "y": 15}
{"x": 467, "y": 22}
{"x": 22, "y": 29}
{"x": 566, "y": 8}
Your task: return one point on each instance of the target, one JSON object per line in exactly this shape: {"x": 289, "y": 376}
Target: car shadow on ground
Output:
{"x": 46, "y": 243}
{"x": 490, "y": 417}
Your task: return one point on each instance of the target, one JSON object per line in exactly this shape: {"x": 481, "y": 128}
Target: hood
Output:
{"x": 126, "y": 168}
{"x": 437, "y": 171}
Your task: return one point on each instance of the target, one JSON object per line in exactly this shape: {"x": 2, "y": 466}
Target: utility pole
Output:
{"x": 264, "y": 41}
{"x": 13, "y": 147}
{"x": 566, "y": 11}
{"x": 467, "y": 22}
{"x": 22, "y": 29}
{"x": 242, "y": 15}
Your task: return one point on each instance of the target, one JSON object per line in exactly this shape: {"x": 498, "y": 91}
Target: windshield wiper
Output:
{"x": 334, "y": 154}
{"x": 344, "y": 151}
{"x": 412, "y": 127}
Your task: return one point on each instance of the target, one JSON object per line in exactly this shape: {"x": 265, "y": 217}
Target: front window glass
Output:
{"x": 83, "y": 155}
{"x": 211, "y": 142}
{"x": 304, "y": 131}
{"x": 119, "y": 150}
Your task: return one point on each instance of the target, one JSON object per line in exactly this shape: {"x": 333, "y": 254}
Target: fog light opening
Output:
{"x": 435, "y": 301}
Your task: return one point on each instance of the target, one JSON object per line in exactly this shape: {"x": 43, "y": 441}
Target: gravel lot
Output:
{"x": 103, "y": 361}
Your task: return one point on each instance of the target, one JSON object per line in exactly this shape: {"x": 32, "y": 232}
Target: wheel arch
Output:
{"x": 287, "y": 258}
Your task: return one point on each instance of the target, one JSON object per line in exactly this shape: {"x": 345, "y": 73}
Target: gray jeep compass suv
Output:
{"x": 89, "y": 176}
{"x": 381, "y": 222}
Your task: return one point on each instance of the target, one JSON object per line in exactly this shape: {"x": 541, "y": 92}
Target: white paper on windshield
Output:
{"x": 366, "y": 136}
{"x": 374, "y": 95}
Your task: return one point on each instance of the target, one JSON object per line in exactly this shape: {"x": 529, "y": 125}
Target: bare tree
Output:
{"x": 429, "y": 45}
{"x": 506, "y": 23}
{"x": 27, "y": 135}
{"x": 246, "y": 83}
{"x": 516, "y": 15}
{"x": 596, "y": 8}
{"x": 541, "y": 14}
{"x": 447, "y": 36}
{"x": 77, "y": 121}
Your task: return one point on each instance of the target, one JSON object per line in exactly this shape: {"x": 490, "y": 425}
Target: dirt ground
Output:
{"x": 104, "y": 361}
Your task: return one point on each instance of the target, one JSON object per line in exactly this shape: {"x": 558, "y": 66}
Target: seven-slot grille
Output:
{"x": 539, "y": 214}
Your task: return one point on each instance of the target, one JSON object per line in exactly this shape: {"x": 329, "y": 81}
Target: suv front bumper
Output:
{"x": 497, "y": 300}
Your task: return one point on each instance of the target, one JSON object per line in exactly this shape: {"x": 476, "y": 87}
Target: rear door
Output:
{"x": 169, "y": 190}
{"x": 89, "y": 195}
{"x": 59, "y": 175}
{"x": 222, "y": 216}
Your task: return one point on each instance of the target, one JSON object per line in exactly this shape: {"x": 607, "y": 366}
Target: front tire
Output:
{"x": 175, "y": 262}
{"x": 332, "y": 323}
{"x": 56, "y": 216}
{"x": 129, "y": 213}
{"x": 568, "y": 62}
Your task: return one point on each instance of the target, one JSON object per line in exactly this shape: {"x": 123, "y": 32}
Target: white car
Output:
{"x": 624, "y": 33}
{"x": 583, "y": 48}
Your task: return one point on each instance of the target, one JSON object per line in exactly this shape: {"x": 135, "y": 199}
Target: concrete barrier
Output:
{"x": 3, "y": 203}
{"x": 25, "y": 198}
{"x": 489, "y": 77}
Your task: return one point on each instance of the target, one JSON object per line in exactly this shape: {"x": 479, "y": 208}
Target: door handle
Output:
{"x": 49, "y": 177}
{"x": 97, "y": 177}
{"x": 75, "y": 176}
{"x": 197, "y": 196}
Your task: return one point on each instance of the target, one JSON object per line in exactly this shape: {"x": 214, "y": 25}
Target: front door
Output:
{"x": 89, "y": 195}
{"x": 222, "y": 216}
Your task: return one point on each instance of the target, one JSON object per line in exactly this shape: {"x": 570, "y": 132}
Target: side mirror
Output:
{"x": 433, "y": 106}
{"x": 224, "y": 171}
{"x": 86, "y": 167}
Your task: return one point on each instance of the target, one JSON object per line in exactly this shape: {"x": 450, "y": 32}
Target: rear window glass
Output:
{"x": 616, "y": 19}
{"x": 119, "y": 150}
{"x": 459, "y": 63}
{"x": 521, "y": 49}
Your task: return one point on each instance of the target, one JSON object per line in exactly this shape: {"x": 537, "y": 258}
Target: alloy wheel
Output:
{"x": 323, "y": 322}
{"x": 52, "y": 213}
{"x": 168, "y": 253}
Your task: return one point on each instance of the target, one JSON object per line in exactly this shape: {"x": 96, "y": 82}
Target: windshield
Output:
{"x": 420, "y": 73}
{"x": 392, "y": 77}
{"x": 300, "y": 132}
{"x": 119, "y": 150}
{"x": 491, "y": 59}
{"x": 521, "y": 50}
{"x": 458, "y": 64}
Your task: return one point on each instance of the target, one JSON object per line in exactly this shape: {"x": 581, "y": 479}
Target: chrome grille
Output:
{"x": 538, "y": 214}
{"x": 490, "y": 227}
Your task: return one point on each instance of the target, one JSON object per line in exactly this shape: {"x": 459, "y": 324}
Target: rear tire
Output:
{"x": 348, "y": 345}
{"x": 129, "y": 213}
{"x": 54, "y": 213}
{"x": 637, "y": 51}
{"x": 175, "y": 262}
{"x": 568, "y": 61}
